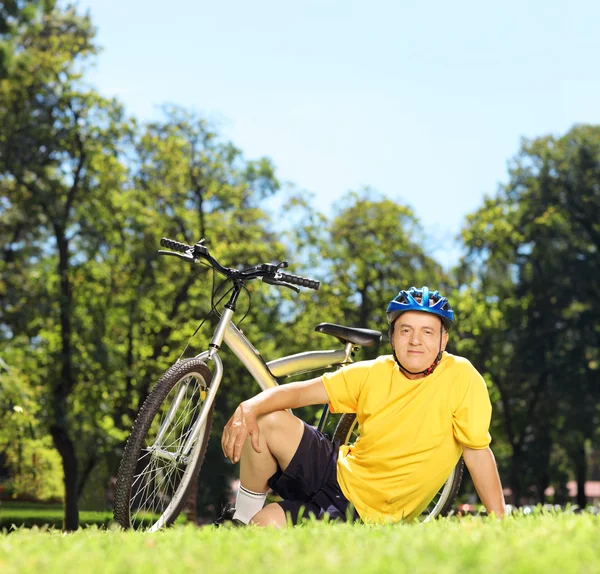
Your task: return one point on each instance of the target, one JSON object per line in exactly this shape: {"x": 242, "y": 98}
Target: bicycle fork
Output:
{"x": 183, "y": 452}
{"x": 217, "y": 374}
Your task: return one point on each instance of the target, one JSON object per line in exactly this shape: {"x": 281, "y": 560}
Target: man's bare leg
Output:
{"x": 280, "y": 435}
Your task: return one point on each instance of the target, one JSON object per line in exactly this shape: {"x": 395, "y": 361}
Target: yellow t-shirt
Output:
{"x": 411, "y": 432}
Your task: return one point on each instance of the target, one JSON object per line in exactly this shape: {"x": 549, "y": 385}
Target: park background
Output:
{"x": 372, "y": 153}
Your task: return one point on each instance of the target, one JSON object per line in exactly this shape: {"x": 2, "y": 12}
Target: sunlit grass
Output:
{"x": 541, "y": 542}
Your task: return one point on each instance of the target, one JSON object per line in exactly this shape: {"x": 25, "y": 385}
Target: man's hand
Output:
{"x": 236, "y": 431}
{"x": 243, "y": 422}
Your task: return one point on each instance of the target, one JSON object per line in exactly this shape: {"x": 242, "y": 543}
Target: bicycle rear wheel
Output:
{"x": 155, "y": 474}
{"x": 346, "y": 432}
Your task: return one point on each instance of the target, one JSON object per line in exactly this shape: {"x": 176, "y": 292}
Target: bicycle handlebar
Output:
{"x": 297, "y": 280}
{"x": 175, "y": 245}
{"x": 267, "y": 271}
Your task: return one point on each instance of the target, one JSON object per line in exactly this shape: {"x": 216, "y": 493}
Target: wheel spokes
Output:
{"x": 155, "y": 496}
{"x": 162, "y": 462}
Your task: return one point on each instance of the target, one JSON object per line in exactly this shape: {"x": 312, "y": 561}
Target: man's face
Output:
{"x": 416, "y": 339}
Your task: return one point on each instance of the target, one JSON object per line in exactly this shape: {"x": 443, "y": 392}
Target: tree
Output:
{"x": 14, "y": 16}
{"x": 534, "y": 252}
{"x": 376, "y": 247}
{"x": 57, "y": 152}
{"x": 88, "y": 196}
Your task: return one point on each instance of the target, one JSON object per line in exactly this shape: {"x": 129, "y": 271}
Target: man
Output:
{"x": 418, "y": 410}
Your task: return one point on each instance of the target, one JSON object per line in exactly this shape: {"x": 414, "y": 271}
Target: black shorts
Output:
{"x": 309, "y": 484}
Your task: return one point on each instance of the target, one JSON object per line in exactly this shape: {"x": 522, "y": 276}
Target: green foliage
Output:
{"x": 59, "y": 172}
{"x": 35, "y": 470}
{"x": 15, "y": 15}
{"x": 32, "y": 464}
{"x": 533, "y": 258}
{"x": 18, "y": 403}
{"x": 86, "y": 205}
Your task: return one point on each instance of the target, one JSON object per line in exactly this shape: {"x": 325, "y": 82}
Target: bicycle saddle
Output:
{"x": 362, "y": 337}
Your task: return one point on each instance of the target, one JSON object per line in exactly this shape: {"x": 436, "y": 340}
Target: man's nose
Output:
{"x": 415, "y": 339}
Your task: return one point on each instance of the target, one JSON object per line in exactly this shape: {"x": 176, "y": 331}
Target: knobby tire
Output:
{"x": 135, "y": 444}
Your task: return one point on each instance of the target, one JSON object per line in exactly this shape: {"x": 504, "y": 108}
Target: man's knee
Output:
{"x": 277, "y": 422}
{"x": 281, "y": 432}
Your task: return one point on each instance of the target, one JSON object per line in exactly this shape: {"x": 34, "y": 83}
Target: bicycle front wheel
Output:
{"x": 346, "y": 432}
{"x": 165, "y": 449}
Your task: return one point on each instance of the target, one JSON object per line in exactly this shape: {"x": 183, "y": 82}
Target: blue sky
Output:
{"x": 423, "y": 101}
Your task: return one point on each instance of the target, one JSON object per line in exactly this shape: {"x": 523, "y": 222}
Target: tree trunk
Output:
{"x": 542, "y": 483}
{"x": 581, "y": 475}
{"x": 541, "y": 461}
{"x": 64, "y": 385}
{"x": 66, "y": 448}
{"x": 364, "y": 311}
{"x": 515, "y": 476}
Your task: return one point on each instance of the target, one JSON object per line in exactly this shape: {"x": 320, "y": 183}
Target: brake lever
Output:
{"x": 175, "y": 254}
{"x": 272, "y": 267}
{"x": 280, "y": 284}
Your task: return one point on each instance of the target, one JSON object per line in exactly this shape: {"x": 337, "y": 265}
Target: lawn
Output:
{"x": 17, "y": 514}
{"x": 539, "y": 543}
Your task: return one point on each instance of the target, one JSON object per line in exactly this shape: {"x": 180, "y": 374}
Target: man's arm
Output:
{"x": 243, "y": 423}
{"x": 482, "y": 468}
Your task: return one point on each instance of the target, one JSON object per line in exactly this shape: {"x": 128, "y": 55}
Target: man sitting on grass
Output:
{"x": 418, "y": 410}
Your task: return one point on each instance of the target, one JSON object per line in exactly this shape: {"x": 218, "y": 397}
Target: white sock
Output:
{"x": 248, "y": 503}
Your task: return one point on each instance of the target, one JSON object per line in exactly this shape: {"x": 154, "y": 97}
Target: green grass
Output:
{"x": 541, "y": 543}
{"x": 19, "y": 514}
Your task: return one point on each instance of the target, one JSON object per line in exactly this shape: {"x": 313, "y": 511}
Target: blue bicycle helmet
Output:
{"x": 415, "y": 299}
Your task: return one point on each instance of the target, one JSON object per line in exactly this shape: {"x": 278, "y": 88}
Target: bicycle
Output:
{"x": 169, "y": 437}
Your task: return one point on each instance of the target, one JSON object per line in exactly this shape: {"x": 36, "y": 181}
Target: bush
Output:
{"x": 35, "y": 470}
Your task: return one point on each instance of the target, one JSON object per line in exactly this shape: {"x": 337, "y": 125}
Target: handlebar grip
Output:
{"x": 174, "y": 245}
{"x": 297, "y": 280}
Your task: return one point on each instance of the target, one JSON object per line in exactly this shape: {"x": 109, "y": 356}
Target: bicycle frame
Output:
{"x": 263, "y": 373}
